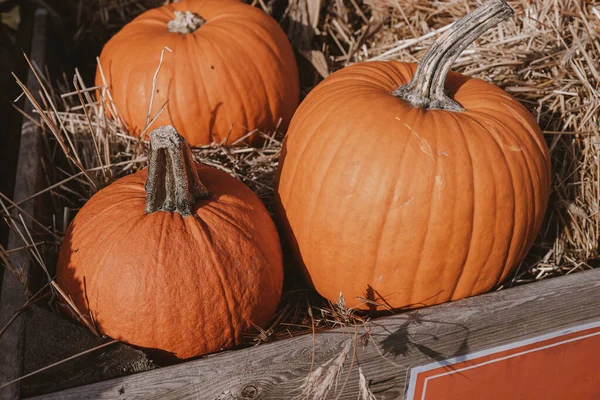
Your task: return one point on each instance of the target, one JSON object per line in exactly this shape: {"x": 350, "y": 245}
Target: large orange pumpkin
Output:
{"x": 407, "y": 197}
{"x": 183, "y": 266}
{"x": 231, "y": 70}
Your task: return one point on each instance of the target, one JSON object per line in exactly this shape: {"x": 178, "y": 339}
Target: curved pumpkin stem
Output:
{"x": 173, "y": 183}
{"x": 427, "y": 86}
{"x": 185, "y": 22}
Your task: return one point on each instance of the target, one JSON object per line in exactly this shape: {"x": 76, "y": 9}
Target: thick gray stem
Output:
{"x": 173, "y": 183}
{"x": 185, "y": 22}
{"x": 427, "y": 86}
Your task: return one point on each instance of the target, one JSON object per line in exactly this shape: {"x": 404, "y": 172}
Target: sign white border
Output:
{"x": 414, "y": 372}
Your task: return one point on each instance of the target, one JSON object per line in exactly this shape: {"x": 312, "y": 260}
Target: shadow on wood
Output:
{"x": 385, "y": 350}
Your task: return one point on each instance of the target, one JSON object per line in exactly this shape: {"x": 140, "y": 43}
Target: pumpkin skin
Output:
{"x": 383, "y": 200}
{"x": 184, "y": 285}
{"x": 234, "y": 74}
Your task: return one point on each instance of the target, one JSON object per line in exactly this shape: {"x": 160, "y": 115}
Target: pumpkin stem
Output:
{"x": 185, "y": 22}
{"x": 427, "y": 86}
{"x": 173, "y": 183}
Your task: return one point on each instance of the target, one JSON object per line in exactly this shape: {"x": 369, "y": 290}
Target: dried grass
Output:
{"x": 546, "y": 56}
{"x": 321, "y": 381}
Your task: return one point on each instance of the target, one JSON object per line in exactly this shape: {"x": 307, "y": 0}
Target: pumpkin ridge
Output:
{"x": 455, "y": 200}
{"x": 92, "y": 221}
{"x": 537, "y": 137}
{"x": 162, "y": 316}
{"x": 219, "y": 136}
{"x": 368, "y": 269}
{"x": 251, "y": 30}
{"x": 434, "y": 199}
{"x": 411, "y": 137}
{"x": 310, "y": 106}
{"x": 97, "y": 277}
{"x": 486, "y": 267}
{"x": 276, "y": 56}
{"x": 366, "y": 77}
{"x": 110, "y": 88}
{"x": 513, "y": 192}
{"x": 307, "y": 140}
{"x": 531, "y": 135}
{"x": 316, "y": 195}
{"x": 199, "y": 71}
{"x": 437, "y": 205}
{"x": 123, "y": 101}
{"x": 271, "y": 43}
{"x": 472, "y": 219}
{"x": 456, "y": 280}
{"x": 217, "y": 213}
{"x": 354, "y": 83}
{"x": 525, "y": 179}
{"x": 528, "y": 179}
{"x": 381, "y": 232}
{"x": 493, "y": 113}
{"x": 128, "y": 108}
{"x": 225, "y": 216}
{"x": 385, "y": 218}
{"x": 402, "y": 70}
{"x": 203, "y": 229}
{"x": 173, "y": 101}
{"x": 203, "y": 96}
{"x": 239, "y": 88}
{"x": 439, "y": 197}
{"x": 381, "y": 74}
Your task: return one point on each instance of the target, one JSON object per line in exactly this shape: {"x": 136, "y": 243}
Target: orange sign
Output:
{"x": 560, "y": 365}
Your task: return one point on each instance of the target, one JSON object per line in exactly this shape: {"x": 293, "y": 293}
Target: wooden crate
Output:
{"x": 391, "y": 351}
{"x": 392, "y": 347}
{"x": 28, "y": 181}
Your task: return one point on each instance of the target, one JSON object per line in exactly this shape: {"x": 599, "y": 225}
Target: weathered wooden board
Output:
{"x": 28, "y": 182}
{"x": 392, "y": 345}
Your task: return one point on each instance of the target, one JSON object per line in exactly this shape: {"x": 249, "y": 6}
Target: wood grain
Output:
{"x": 385, "y": 353}
{"x": 28, "y": 182}
{"x": 51, "y": 338}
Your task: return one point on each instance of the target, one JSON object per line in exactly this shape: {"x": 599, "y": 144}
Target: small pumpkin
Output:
{"x": 231, "y": 70}
{"x": 404, "y": 185}
{"x": 166, "y": 261}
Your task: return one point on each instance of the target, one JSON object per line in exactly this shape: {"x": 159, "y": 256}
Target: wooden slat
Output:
{"x": 277, "y": 370}
{"x": 28, "y": 182}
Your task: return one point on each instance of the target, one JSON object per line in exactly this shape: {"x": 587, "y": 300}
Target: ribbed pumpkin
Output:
{"x": 183, "y": 266}
{"x": 231, "y": 70}
{"x": 391, "y": 192}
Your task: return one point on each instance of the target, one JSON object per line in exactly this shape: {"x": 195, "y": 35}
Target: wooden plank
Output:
{"x": 51, "y": 338}
{"x": 390, "y": 347}
{"x": 10, "y": 60}
{"x": 28, "y": 182}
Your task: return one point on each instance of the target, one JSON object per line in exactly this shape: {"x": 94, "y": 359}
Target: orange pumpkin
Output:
{"x": 183, "y": 266}
{"x": 403, "y": 197}
{"x": 231, "y": 70}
